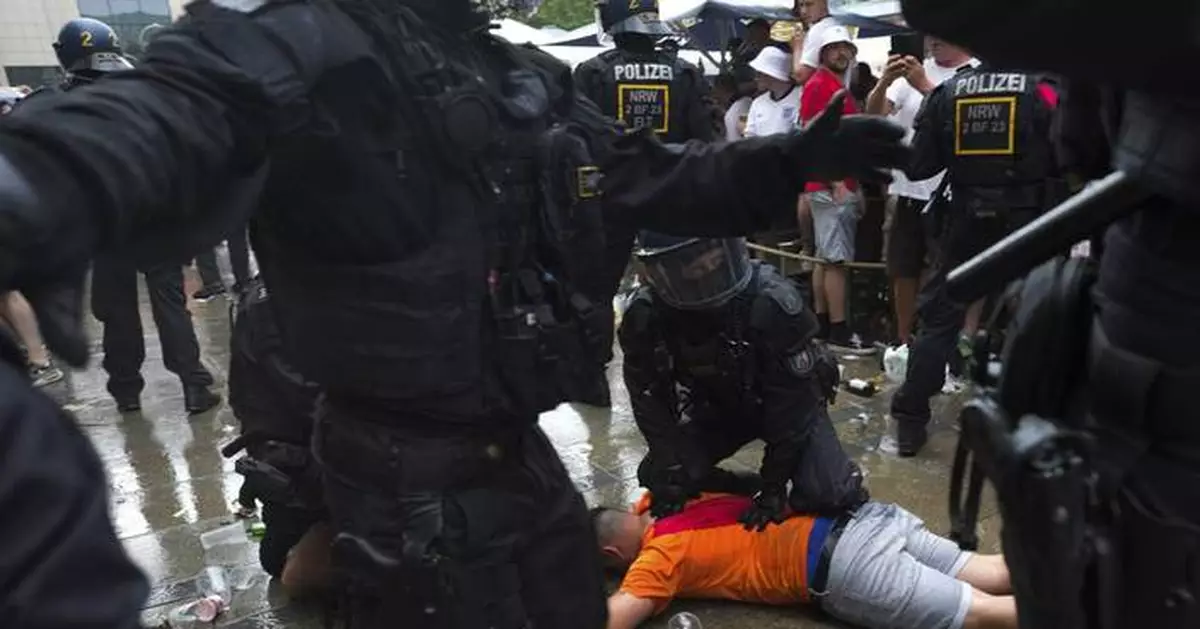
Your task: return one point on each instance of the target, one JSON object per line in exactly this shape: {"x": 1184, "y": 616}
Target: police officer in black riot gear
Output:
{"x": 62, "y": 561}
{"x": 88, "y": 49}
{"x": 405, "y": 172}
{"x": 275, "y": 405}
{"x": 1087, "y": 427}
{"x": 641, "y": 86}
{"x": 990, "y": 130}
{"x": 719, "y": 351}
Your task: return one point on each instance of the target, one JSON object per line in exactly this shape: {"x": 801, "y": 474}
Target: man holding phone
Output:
{"x": 906, "y": 243}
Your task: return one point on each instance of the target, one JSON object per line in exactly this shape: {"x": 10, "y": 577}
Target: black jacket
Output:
{"x": 61, "y": 564}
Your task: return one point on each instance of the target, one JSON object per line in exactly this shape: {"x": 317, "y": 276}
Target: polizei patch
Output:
{"x": 985, "y": 125}
{"x": 628, "y": 72}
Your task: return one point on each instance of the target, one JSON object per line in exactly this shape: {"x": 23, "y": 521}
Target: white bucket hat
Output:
{"x": 838, "y": 35}
{"x": 774, "y": 63}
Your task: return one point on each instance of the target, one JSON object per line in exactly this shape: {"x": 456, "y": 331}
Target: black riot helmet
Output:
{"x": 639, "y": 17}
{"x": 89, "y": 46}
{"x": 694, "y": 273}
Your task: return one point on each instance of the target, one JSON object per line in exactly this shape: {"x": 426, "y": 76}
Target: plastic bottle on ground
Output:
{"x": 684, "y": 620}
{"x": 895, "y": 363}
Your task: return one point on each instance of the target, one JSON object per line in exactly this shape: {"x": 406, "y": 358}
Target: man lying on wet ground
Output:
{"x": 877, "y": 567}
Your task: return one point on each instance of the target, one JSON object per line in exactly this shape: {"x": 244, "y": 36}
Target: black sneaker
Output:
{"x": 209, "y": 292}
{"x": 910, "y": 437}
{"x": 200, "y": 400}
{"x": 843, "y": 341}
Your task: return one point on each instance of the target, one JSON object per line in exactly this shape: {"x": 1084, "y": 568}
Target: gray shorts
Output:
{"x": 834, "y": 225}
{"x": 889, "y": 572}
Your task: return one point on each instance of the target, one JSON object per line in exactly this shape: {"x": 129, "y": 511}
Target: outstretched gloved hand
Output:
{"x": 770, "y": 506}
{"x": 671, "y": 495}
{"x": 835, "y": 147}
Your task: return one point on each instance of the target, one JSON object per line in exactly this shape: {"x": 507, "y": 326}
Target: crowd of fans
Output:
{"x": 845, "y": 227}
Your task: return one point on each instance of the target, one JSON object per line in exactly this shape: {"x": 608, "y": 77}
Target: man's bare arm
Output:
{"x": 878, "y": 103}
{"x": 801, "y": 73}
{"x": 626, "y": 611}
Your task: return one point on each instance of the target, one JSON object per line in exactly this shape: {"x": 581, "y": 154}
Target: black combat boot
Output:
{"x": 911, "y": 435}
{"x": 198, "y": 399}
{"x": 597, "y": 394}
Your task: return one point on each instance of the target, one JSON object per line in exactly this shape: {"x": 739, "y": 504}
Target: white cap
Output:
{"x": 774, "y": 63}
{"x": 837, "y": 35}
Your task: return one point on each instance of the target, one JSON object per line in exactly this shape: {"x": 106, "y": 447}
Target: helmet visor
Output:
{"x": 698, "y": 273}
{"x": 107, "y": 62}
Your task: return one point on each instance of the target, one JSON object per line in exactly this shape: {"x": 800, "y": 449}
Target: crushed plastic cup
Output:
{"x": 684, "y": 620}
{"x": 199, "y": 613}
{"x": 226, "y": 545}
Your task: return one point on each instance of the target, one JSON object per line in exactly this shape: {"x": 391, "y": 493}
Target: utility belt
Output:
{"x": 549, "y": 339}
{"x": 993, "y": 201}
{"x": 408, "y": 462}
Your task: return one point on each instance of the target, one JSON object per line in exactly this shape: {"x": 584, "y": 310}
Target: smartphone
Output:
{"x": 908, "y": 44}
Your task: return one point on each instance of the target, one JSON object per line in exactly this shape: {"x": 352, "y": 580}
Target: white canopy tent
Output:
{"x": 674, "y": 10}
{"x": 519, "y": 33}
{"x": 575, "y": 55}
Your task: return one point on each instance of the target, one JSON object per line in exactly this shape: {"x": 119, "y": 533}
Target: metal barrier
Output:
{"x": 802, "y": 258}
{"x": 868, "y": 295}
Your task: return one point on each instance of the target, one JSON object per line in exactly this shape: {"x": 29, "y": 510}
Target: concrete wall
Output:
{"x": 27, "y": 28}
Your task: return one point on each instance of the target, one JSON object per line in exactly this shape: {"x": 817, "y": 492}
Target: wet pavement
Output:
{"x": 169, "y": 483}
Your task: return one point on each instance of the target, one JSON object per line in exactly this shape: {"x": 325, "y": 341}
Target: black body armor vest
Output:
{"x": 997, "y": 134}
{"x": 647, "y": 90}
{"x": 462, "y": 191}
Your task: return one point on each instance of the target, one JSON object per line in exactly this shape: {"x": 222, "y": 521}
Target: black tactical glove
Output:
{"x": 833, "y": 147}
{"x": 827, "y": 372}
{"x": 769, "y": 506}
{"x": 671, "y": 494}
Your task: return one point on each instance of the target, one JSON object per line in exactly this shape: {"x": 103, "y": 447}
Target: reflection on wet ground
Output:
{"x": 169, "y": 482}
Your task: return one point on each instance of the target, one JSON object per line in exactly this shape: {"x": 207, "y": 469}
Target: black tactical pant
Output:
{"x": 940, "y": 320}
{"x": 457, "y": 533}
{"x": 115, "y": 304}
{"x": 239, "y": 260}
{"x": 619, "y": 248}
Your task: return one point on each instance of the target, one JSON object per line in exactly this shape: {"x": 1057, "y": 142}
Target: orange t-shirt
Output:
{"x": 708, "y": 559}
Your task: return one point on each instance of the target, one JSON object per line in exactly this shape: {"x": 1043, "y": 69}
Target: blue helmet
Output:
{"x": 88, "y": 45}
{"x": 630, "y": 16}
